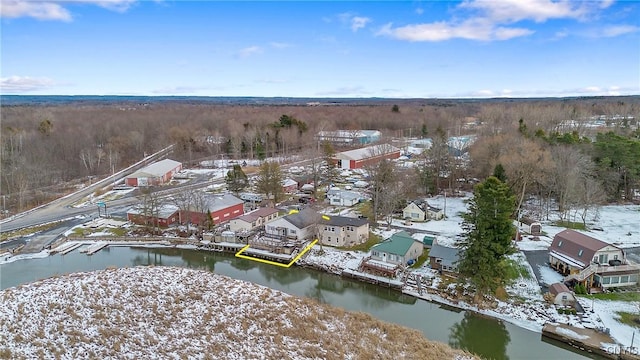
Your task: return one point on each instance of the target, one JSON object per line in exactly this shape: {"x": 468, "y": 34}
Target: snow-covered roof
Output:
{"x": 367, "y": 152}
{"x": 164, "y": 212}
{"x": 289, "y": 182}
{"x": 156, "y": 169}
{"x": 220, "y": 202}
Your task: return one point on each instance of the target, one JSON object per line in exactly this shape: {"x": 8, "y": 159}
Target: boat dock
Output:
{"x": 587, "y": 340}
{"x": 70, "y": 248}
{"x": 94, "y": 248}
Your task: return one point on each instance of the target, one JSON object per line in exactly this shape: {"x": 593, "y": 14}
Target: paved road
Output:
{"x": 537, "y": 258}
{"x": 59, "y": 209}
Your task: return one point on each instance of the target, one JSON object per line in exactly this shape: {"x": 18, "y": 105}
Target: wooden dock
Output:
{"x": 587, "y": 340}
{"x": 94, "y": 248}
{"x": 70, "y": 248}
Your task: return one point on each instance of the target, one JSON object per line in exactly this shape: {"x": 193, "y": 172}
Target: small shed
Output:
{"x": 562, "y": 295}
{"x": 428, "y": 240}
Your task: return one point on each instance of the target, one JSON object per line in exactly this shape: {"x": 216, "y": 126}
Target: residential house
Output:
{"x": 155, "y": 174}
{"x": 343, "y": 231}
{"x": 254, "y": 219}
{"x": 298, "y": 226}
{"x": 222, "y": 207}
{"x": 343, "y": 197}
{"x": 399, "y": 249}
{"x": 562, "y": 295}
{"x": 420, "y": 210}
{"x": 444, "y": 258}
{"x": 163, "y": 216}
{"x": 591, "y": 262}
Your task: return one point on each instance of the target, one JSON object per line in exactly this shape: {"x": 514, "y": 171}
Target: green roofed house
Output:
{"x": 399, "y": 249}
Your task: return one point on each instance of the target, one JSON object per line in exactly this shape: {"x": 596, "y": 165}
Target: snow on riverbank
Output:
{"x": 169, "y": 312}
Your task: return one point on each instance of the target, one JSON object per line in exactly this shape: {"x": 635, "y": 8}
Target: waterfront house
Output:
{"x": 298, "y": 226}
{"x": 399, "y": 249}
{"x": 254, "y": 219}
{"x": 591, "y": 262}
{"x": 343, "y": 231}
{"x": 444, "y": 258}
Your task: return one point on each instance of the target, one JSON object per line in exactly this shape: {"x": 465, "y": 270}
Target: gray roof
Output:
{"x": 344, "y": 194}
{"x": 343, "y": 221}
{"x": 156, "y": 169}
{"x": 424, "y": 206}
{"x": 303, "y": 219}
{"x": 449, "y": 255}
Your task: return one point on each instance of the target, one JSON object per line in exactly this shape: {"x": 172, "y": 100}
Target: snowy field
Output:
{"x": 174, "y": 313}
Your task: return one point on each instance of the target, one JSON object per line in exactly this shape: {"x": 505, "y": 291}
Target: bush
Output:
{"x": 580, "y": 289}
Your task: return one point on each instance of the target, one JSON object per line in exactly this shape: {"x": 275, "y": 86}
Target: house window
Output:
{"x": 615, "y": 279}
{"x": 580, "y": 253}
{"x": 633, "y": 278}
{"x": 292, "y": 231}
{"x": 560, "y": 243}
{"x": 329, "y": 238}
{"x": 615, "y": 257}
{"x": 326, "y": 228}
{"x": 438, "y": 260}
{"x": 624, "y": 279}
{"x": 564, "y": 297}
{"x": 606, "y": 280}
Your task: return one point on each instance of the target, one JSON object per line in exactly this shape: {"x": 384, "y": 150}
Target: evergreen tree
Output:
{"x": 269, "y": 180}
{"x": 499, "y": 173}
{"x": 236, "y": 179}
{"x": 488, "y": 235}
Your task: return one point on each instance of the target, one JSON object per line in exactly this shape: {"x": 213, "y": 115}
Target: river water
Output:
{"x": 486, "y": 337}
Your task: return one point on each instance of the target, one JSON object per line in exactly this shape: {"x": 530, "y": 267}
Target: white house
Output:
{"x": 420, "y": 210}
{"x": 343, "y": 197}
{"x": 298, "y": 226}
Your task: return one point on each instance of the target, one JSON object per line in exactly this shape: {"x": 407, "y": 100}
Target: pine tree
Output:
{"x": 236, "y": 179}
{"x": 488, "y": 236}
{"x": 269, "y": 180}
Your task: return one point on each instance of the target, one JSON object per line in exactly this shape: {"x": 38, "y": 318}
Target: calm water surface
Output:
{"x": 486, "y": 337}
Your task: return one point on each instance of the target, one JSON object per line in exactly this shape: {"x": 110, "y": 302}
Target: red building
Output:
{"x": 358, "y": 158}
{"x": 165, "y": 216}
{"x": 155, "y": 174}
{"x": 222, "y": 207}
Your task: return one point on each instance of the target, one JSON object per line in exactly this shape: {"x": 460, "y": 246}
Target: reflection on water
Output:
{"x": 485, "y": 337}
{"x": 480, "y": 335}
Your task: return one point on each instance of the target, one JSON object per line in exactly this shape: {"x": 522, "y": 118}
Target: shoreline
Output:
{"x": 335, "y": 269}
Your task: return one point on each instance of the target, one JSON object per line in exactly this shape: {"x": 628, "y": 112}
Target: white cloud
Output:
{"x": 21, "y": 84}
{"x": 54, "y": 10}
{"x": 358, "y": 22}
{"x": 490, "y": 20}
{"x": 474, "y": 29}
{"x": 355, "y": 22}
{"x": 37, "y": 10}
{"x": 516, "y": 10}
{"x": 249, "y": 51}
{"x": 617, "y": 30}
{"x": 419, "y": 11}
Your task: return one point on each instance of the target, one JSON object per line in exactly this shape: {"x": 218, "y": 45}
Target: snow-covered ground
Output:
{"x": 171, "y": 313}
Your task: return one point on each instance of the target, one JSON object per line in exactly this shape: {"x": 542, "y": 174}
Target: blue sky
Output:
{"x": 472, "y": 48}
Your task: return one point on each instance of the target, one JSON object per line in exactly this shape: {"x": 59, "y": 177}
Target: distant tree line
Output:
{"x": 46, "y": 150}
